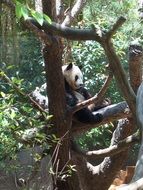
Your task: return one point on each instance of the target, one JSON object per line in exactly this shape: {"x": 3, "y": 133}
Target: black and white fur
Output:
{"x": 75, "y": 93}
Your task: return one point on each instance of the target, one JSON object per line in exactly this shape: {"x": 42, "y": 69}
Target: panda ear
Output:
{"x": 69, "y": 66}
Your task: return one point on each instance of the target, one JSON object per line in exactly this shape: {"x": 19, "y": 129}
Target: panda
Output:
{"x": 76, "y": 93}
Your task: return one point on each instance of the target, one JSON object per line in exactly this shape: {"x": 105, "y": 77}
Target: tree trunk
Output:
{"x": 139, "y": 165}
{"x": 135, "y": 68}
{"x": 57, "y": 107}
{"x": 90, "y": 176}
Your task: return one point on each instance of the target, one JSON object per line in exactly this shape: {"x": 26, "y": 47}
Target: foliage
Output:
{"x": 94, "y": 138}
{"x": 29, "y": 66}
{"x": 96, "y": 13}
{"x": 16, "y": 117}
{"x": 63, "y": 175}
{"x": 22, "y": 9}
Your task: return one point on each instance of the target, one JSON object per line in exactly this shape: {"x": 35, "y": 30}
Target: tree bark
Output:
{"x": 57, "y": 107}
{"x": 135, "y": 71}
{"x": 120, "y": 75}
{"x": 140, "y": 2}
{"x": 135, "y": 65}
{"x": 139, "y": 165}
{"x": 90, "y": 176}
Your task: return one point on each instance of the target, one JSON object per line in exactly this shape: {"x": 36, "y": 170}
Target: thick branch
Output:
{"x": 116, "y": 67}
{"x": 110, "y": 113}
{"x": 72, "y": 14}
{"x": 67, "y": 32}
{"x": 139, "y": 165}
{"x": 120, "y": 75}
{"x": 137, "y": 185}
{"x": 41, "y": 34}
{"x": 78, "y": 34}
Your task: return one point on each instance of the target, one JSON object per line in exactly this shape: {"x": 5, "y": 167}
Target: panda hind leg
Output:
{"x": 86, "y": 116}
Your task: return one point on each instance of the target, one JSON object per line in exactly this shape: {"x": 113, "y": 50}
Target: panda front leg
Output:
{"x": 86, "y": 116}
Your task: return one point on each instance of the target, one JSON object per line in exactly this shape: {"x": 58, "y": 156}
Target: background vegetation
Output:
{"x": 21, "y": 59}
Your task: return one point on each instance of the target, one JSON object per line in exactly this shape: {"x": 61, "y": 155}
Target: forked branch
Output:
{"x": 71, "y": 14}
{"x": 105, "y": 40}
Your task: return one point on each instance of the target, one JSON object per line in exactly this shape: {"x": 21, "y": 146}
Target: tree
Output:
{"x": 51, "y": 34}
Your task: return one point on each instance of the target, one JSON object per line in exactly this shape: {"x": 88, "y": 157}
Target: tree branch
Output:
{"x": 115, "y": 27}
{"x": 120, "y": 75}
{"x": 59, "y": 10}
{"x": 78, "y": 34}
{"x": 110, "y": 113}
{"x": 137, "y": 185}
{"x": 71, "y": 14}
{"x": 112, "y": 150}
{"x": 67, "y": 32}
{"x": 41, "y": 34}
{"x": 139, "y": 114}
{"x": 108, "y": 168}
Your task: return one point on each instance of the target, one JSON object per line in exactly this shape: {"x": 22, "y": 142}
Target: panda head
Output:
{"x": 73, "y": 76}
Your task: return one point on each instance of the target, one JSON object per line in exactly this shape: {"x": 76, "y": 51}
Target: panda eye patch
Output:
{"x": 76, "y": 78}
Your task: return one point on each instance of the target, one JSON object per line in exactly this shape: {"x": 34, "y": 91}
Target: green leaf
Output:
{"x": 3, "y": 94}
{"x": 18, "y": 10}
{"x": 13, "y": 114}
{"x": 38, "y": 17}
{"x": 24, "y": 12}
{"x": 47, "y": 18}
